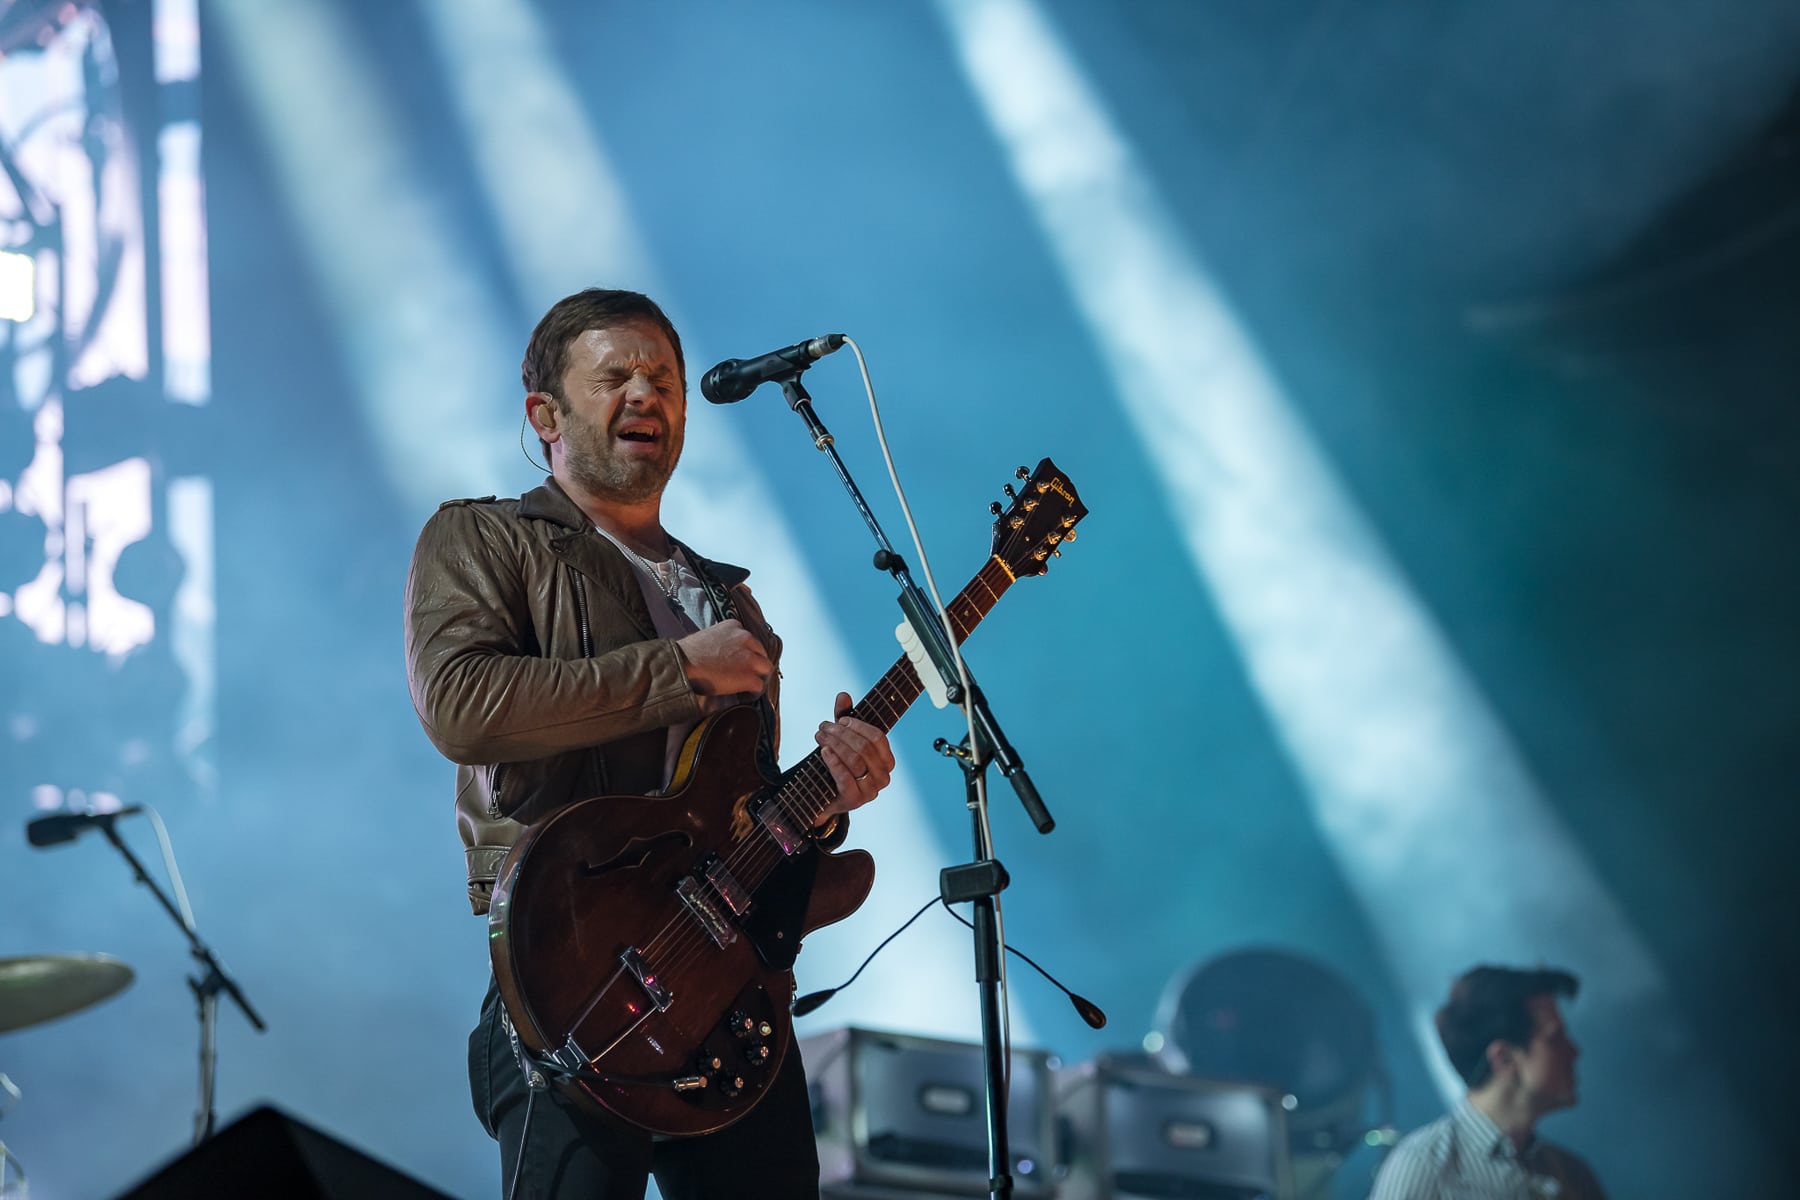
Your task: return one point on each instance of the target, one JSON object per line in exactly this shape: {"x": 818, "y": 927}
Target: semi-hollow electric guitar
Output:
{"x": 642, "y": 943}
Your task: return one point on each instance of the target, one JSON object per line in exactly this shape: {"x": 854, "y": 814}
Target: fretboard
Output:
{"x": 808, "y": 789}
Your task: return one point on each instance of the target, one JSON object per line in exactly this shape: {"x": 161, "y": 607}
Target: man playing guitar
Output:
{"x": 561, "y": 646}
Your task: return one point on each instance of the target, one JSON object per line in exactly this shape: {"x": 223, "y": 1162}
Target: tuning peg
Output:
{"x": 995, "y": 508}
{"x": 1022, "y": 473}
{"x": 1069, "y": 536}
{"x": 1010, "y": 494}
{"x": 1056, "y": 554}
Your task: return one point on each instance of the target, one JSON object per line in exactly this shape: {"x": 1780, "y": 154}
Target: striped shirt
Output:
{"x": 1464, "y": 1156}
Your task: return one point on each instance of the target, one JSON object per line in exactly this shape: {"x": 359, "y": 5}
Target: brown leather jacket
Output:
{"x": 535, "y": 667}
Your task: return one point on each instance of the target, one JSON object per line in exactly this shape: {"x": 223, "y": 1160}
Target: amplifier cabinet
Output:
{"x": 1132, "y": 1132}
{"x": 904, "y": 1116}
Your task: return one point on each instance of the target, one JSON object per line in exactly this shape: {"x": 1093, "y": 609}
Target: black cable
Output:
{"x": 1090, "y": 1012}
{"x": 524, "y": 1140}
{"x": 813, "y": 1000}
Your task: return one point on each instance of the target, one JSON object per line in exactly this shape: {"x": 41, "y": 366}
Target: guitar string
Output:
{"x": 753, "y": 858}
{"x": 684, "y": 941}
{"x": 897, "y": 690}
{"x": 811, "y": 783}
{"x": 756, "y": 857}
{"x": 810, "y": 780}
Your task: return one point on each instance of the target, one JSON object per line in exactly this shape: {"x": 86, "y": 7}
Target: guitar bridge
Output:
{"x": 659, "y": 995}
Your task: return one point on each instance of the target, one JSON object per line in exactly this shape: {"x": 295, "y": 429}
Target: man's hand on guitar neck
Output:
{"x": 858, "y": 755}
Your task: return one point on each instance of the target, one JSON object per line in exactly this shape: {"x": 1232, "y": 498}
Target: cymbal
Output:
{"x": 43, "y": 987}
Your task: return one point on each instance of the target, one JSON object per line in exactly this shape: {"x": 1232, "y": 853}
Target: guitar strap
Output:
{"x": 534, "y": 1078}
{"x": 727, "y": 608}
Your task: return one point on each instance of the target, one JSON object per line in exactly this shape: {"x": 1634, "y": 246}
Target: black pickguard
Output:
{"x": 773, "y": 924}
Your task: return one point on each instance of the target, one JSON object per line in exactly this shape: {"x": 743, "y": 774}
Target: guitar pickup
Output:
{"x": 776, "y": 824}
{"x": 703, "y": 910}
{"x": 726, "y": 885}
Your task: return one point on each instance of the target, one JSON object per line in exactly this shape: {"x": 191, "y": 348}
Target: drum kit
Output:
{"x": 43, "y": 987}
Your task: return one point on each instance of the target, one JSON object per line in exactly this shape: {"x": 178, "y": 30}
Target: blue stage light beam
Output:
{"x": 422, "y": 334}
{"x": 1426, "y": 803}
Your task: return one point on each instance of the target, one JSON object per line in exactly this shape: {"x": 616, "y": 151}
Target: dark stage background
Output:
{"x": 1481, "y": 648}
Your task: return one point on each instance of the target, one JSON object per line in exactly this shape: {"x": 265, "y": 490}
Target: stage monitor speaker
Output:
{"x": 904, "y": 1116}
{"x": 1133, "y": 1132}
{"x": 272, "y": 1156}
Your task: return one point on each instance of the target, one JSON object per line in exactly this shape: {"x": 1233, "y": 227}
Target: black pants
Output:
{"x": 571, "y": 1155}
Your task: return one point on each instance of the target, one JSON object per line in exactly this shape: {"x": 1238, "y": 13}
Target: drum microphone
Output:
{"x": 736, "y": 378}
{"x": 66, "y": 827}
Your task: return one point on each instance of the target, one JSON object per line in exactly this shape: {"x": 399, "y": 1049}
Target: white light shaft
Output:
{"x": 420, "y": 329}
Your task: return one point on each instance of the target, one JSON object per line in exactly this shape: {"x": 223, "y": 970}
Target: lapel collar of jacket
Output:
{"x": 725, "y": 574}
{"x": 589, "y": 552}
{"x": 579, "y": 545}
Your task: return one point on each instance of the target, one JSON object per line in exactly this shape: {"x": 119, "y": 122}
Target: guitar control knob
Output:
{"x": 741, "y": 1023}
{"x": 732, "y": 1088}
{"x": 764, "y": 1029}
{"x": 758, "y": 1055}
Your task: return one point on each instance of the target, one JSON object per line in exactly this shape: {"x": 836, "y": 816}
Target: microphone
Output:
{"x": 66, "y": 827}
{"x": 736, "y": 378}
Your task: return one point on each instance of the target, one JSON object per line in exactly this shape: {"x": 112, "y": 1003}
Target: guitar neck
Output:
{"x": 808, "y": 788}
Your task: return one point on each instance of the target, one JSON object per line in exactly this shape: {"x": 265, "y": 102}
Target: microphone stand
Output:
{"x": 206, "y": 990}
{"x": 984, "y": 878}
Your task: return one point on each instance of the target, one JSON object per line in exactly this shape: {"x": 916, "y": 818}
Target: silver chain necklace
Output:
{"x": 669, "y": 586}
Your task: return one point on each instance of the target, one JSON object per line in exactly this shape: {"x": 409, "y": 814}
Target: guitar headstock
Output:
{"x": 1042, "y": 516}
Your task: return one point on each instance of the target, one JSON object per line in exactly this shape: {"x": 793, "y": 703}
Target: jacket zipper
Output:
{"x": 595, "y": 764}
{"x": 581, "y": 617}
{"x": 495, "y": 813}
